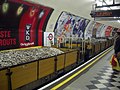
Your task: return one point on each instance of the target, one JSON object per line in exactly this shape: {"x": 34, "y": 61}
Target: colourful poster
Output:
{"x": 88, "y": 32}
{"x": 96, "y": 27}
{"x": 99, "y": 30}
{"x": 69, "y": 25}
{"x": 114, "y": 31}
{"x": 102, "y": 32}
{"x": 108, "y": 31}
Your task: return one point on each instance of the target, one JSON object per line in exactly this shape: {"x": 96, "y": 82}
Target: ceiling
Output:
{"x": 77, "y": 7}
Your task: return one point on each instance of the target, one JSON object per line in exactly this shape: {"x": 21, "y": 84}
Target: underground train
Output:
{"x": 31, "y": 74}
{"x": 24, "y": 61}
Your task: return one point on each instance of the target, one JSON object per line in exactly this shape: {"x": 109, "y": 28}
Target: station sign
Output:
{"x": 48, "y": 38}
{"x": 108, "y": 13}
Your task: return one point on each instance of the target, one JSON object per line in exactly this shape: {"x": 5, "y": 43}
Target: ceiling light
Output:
{"x": 118, "y": 21}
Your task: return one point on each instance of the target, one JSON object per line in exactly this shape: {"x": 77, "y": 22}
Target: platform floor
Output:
{"x": 99, "y": 77}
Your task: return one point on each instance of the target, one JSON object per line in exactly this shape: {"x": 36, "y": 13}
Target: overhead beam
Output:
{"x": 106, "y": 19}
{"x": 107, "y": 6}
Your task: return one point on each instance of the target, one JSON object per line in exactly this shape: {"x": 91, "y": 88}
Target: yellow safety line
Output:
{"x": 74, "y": 75}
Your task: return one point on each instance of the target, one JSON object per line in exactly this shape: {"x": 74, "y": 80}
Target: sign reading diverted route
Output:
{"x": 108, "y": 13}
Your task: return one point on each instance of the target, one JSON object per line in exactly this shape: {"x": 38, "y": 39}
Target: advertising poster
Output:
{"x": 88, "y": 32}
{"x": 99, "y": 30}
{"x": 108, "y": 31}
{"x": 69, "y": 25}
{"x": 10, "y": 16}
{"x": 44, "y": 15}
{"x": 96, "y": 27}
{"x": 114, "y": 32}
{"x": 111, "y": 33}
{"x": 22, "y": 24}
{"x": 102, "y": 32}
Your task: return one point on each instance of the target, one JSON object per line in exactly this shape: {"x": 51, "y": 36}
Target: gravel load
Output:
{"x": 15, "y": 57}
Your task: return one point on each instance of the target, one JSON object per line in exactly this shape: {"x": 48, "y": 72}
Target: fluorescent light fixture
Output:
{"x": 114, "y": 7}
{"x": 115, "y": 17}
{"x": 118, "y": 21}
{"x": 105, "y": 8}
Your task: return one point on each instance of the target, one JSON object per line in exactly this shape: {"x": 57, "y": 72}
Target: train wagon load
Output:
{"x": 22, "y": 65}
{"x": 34, "y": 65}
{"x": 15, "y": 57}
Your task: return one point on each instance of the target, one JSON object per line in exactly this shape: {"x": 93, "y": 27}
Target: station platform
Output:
{"x": 95, "y": 76}
{"x": 99, "y": 77}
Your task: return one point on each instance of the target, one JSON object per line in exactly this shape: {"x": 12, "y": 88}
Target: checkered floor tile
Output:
{"x": 106, "y": 79}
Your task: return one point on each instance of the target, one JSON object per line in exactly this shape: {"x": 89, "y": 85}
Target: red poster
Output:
{"x": 27, "y": 27}
{"x": 108, "y": 31}
{"x": 22, "y": 23}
